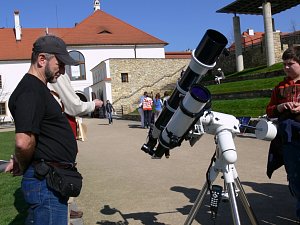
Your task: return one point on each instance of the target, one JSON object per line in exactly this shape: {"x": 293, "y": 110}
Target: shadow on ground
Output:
{"x": 272, "y": 204}
{"x": 135, "y": 126}
{"x": 146, "y": 218}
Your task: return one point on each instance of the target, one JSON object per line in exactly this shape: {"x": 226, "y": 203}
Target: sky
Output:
{"x": 182, "y": 24}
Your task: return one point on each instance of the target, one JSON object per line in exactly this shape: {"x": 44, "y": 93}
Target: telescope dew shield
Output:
{"x": 185, "y": 115}
{"x": 203, "y": 59}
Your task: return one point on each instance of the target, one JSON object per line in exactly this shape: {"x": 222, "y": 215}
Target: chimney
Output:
{"x": 96, "y": 5}
{"x": 18, "y": 30}
{"x": 251, "y": 32}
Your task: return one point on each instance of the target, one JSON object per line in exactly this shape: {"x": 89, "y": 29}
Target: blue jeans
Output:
{"x": 46, "y": 206}
{"x": 147, "y": 118}
{"x": 291, "y": 156}
{"x": 109, "y": 116}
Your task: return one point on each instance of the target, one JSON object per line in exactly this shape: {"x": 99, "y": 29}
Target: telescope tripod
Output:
{"x": 231, "y": 181}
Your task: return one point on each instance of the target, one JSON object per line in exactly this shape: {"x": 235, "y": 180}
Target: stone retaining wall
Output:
{"x": 149, "y": 75}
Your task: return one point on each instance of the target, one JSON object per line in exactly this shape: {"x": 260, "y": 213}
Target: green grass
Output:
{"x": 13, "y": 208}
{"x": 247, "y": 72}
{"x": 6, "y": 144}
{"x": 256, "y": 70}
{"x": 242, "y": 107}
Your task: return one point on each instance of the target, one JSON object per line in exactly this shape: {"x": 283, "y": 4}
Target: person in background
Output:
{"x": 72, "y": 106}
{"x": 285, "y": 105}
{"x": 109, "y": 110}
{"x": 147, "y": 108}
{"x": 70, "y": 101}
{"x": 157, "y": 103}
{"x": 140, "y": 109}
{"x": 219, "y": 76}
{"x": 165, "y": 99}
{"x": 42, "y": 131}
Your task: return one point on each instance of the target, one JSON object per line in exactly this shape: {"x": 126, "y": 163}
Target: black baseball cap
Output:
{"x": 54, "y": 45}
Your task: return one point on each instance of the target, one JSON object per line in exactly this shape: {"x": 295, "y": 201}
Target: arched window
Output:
{"x": 76, "y": 72}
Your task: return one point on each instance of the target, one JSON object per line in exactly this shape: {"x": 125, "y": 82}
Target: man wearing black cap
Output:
{"x": 42, "y": 131}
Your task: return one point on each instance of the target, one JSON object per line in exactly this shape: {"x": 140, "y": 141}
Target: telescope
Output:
{"x": 187, "y": 116}
{"x": 203, "y": 59}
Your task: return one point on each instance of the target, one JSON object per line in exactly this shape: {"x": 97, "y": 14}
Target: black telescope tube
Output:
{"x": 210, "y": 47}
{"x": 207, "y": 52}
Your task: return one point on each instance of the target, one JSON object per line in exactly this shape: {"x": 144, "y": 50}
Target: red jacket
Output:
{"x": 147, "y": 103}
{"x": 285, "y": 91}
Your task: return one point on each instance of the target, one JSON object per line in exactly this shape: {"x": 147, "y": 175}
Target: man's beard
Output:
{"x": 49, "y": 75}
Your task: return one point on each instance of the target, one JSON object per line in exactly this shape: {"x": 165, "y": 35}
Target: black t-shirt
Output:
{"x": 35, "y": 110}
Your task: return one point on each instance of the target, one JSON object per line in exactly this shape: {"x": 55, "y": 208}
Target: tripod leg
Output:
{"x": 233, "y": 204}
{"x": 246, "y": 204}
{"x": 196, "y": 205}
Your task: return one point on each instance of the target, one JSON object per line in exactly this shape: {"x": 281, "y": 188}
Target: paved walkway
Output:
{"x": 123, "y": 185}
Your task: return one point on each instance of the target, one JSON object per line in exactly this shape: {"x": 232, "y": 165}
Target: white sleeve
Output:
{"x": 72, "y": 103}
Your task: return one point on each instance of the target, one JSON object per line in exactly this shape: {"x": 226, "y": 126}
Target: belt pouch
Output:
{"x": 68, "y": 182}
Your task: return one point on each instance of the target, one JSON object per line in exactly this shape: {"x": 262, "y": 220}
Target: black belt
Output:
{"x": 62, "y": 165}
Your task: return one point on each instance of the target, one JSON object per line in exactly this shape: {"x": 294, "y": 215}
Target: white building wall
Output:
{"x": 108, "y": 92}
{"x": 11, "y": 73}
{"x": 153, "y": 52}
{"x": 101, "y": 78}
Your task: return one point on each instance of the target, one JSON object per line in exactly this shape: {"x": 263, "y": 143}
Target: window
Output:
{"x": 0, "y": 82}
{"x": 124, "y": 77}
{"x": 76, "y": 72}
{"x": 2, "y": 108}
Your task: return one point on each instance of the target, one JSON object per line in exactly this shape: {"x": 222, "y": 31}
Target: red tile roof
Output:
{"x": 249, "y": 40}
{"x": 99, "y": 28}
{"x": 178, "y": 55}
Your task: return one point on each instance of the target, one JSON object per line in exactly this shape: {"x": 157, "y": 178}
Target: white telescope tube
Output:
{"x": 184, "y": 116}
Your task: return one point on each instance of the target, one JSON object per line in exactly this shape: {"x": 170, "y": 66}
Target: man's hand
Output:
{"x": 296, "y": 108}
{"x": 98, "y": 103}
{"x": 13, "y": 167}
{"x": 284, "y": 106}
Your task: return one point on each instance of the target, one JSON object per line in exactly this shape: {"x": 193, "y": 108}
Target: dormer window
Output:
{"x": 104, "y": 32}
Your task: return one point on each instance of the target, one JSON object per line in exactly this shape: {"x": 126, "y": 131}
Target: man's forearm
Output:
{"x": 25, "y": 145}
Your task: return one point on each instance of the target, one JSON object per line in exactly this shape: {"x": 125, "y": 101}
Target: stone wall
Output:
{"x": 149, "y": 75}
